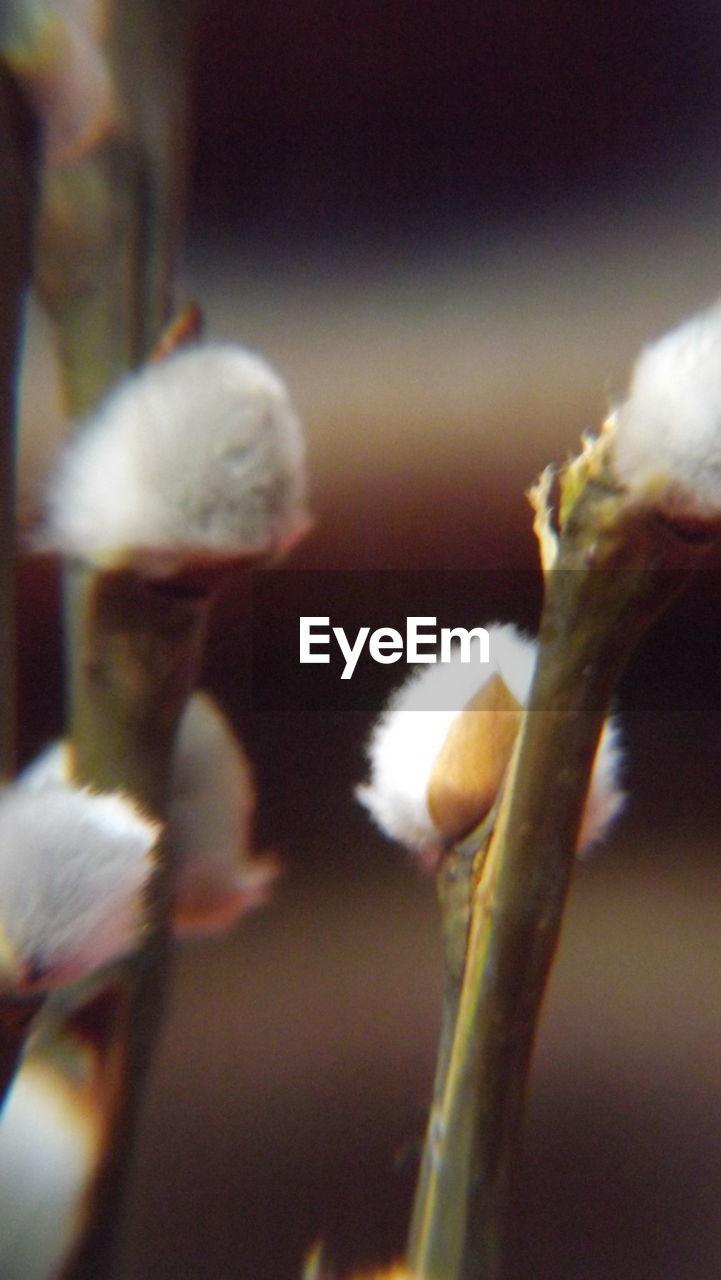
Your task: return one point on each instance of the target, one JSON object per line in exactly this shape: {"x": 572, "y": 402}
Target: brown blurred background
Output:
{"x": 451, "y": 227}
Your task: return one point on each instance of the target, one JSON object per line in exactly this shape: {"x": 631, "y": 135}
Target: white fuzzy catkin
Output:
{"x": 410, "y": 733}
{"x": 210, "y": 817}
{"x": 667, "y": 447}
{"x": 209, "y": 823}
{"x": 74, "y": 865}
{"x": 197, "y": 457}
{"x": 408, "y": 737}
{"x": 49, "y": 1146}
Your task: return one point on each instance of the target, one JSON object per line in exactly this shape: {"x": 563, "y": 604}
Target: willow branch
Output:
{"x": 454, "y": 887}
{"x": 107, "y": 244}
{"x": 18, "y": 182}
{"x": 110, "y": 224}
{"x": 134, "y": 651}
{"x": 615, "y": 572}
{"x": 18, "y": 192}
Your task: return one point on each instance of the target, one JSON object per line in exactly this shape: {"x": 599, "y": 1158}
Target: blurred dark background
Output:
{"x": 451, "y": 227}
{"x": 402, "y": 120}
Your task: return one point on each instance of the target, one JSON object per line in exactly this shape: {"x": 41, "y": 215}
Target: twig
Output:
{"x": 18, "y": 180}
{"x": 110, "y": 224}
{"x": 18, "y": 191}
{"x": 134, "y": 651}
{"x": 454, "y": 887}
{"x": 107, "y": 244}
{"x": 615, "y": 572}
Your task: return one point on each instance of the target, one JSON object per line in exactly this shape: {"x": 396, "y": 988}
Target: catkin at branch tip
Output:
{"x": 667, "y": 445}
{"x": 198, "y": 457}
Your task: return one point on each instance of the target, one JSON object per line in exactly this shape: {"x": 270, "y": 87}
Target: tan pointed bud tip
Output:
{"x": 185, "y": 327}
{"x": 470, "y": 766}
{"x": 435, "y": 765}
{"x": 74, "y": 869}
{"x": 191, "y": 462}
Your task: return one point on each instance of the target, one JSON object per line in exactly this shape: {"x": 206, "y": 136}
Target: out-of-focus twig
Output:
{"x": 18, "y": 181}
{"x": 133, "y": 656}
{"x": 110, "y": 223}
{"x": 108, "y": 238}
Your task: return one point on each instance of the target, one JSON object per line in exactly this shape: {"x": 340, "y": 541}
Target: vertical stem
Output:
{"x": 614, "y": 577}
{"x": 133, "y": 663}
{"x": 454, "y": 886}
{"x": 17, "y": 218}
{"x": 110, "y": 224}
{"x": 107, "y": 242}
{"x": 132, "y": 656}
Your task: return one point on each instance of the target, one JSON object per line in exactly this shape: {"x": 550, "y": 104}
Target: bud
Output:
{"x": 435, "y": 773}
{"x": 210, "y": 817}
{"x": 470, "y": 766}
{"x": 50, "y": 1143}
{"x": 192, "y": 460}
{"x": 667, "y": 446}
{"x": 74, "y": 866}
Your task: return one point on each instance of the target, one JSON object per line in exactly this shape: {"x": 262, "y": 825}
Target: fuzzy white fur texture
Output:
{"x": 209, "y": 827}
{"x": 200, "y": 455}
{"x": 667, "y": 447}
{"x": 410, "y": 733}
{"x": 210, "y": 824}
{"x": 74, "y": 866}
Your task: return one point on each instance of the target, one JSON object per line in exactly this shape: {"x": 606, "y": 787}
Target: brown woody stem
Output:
{"x": 134, "y": 655}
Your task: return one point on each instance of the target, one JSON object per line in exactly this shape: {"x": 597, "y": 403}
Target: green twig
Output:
{"x": 107, "y": 244}
{"x": 454, "y": 886}
{"x": 616, "y": 570}
{"x": 109, "y": 227}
